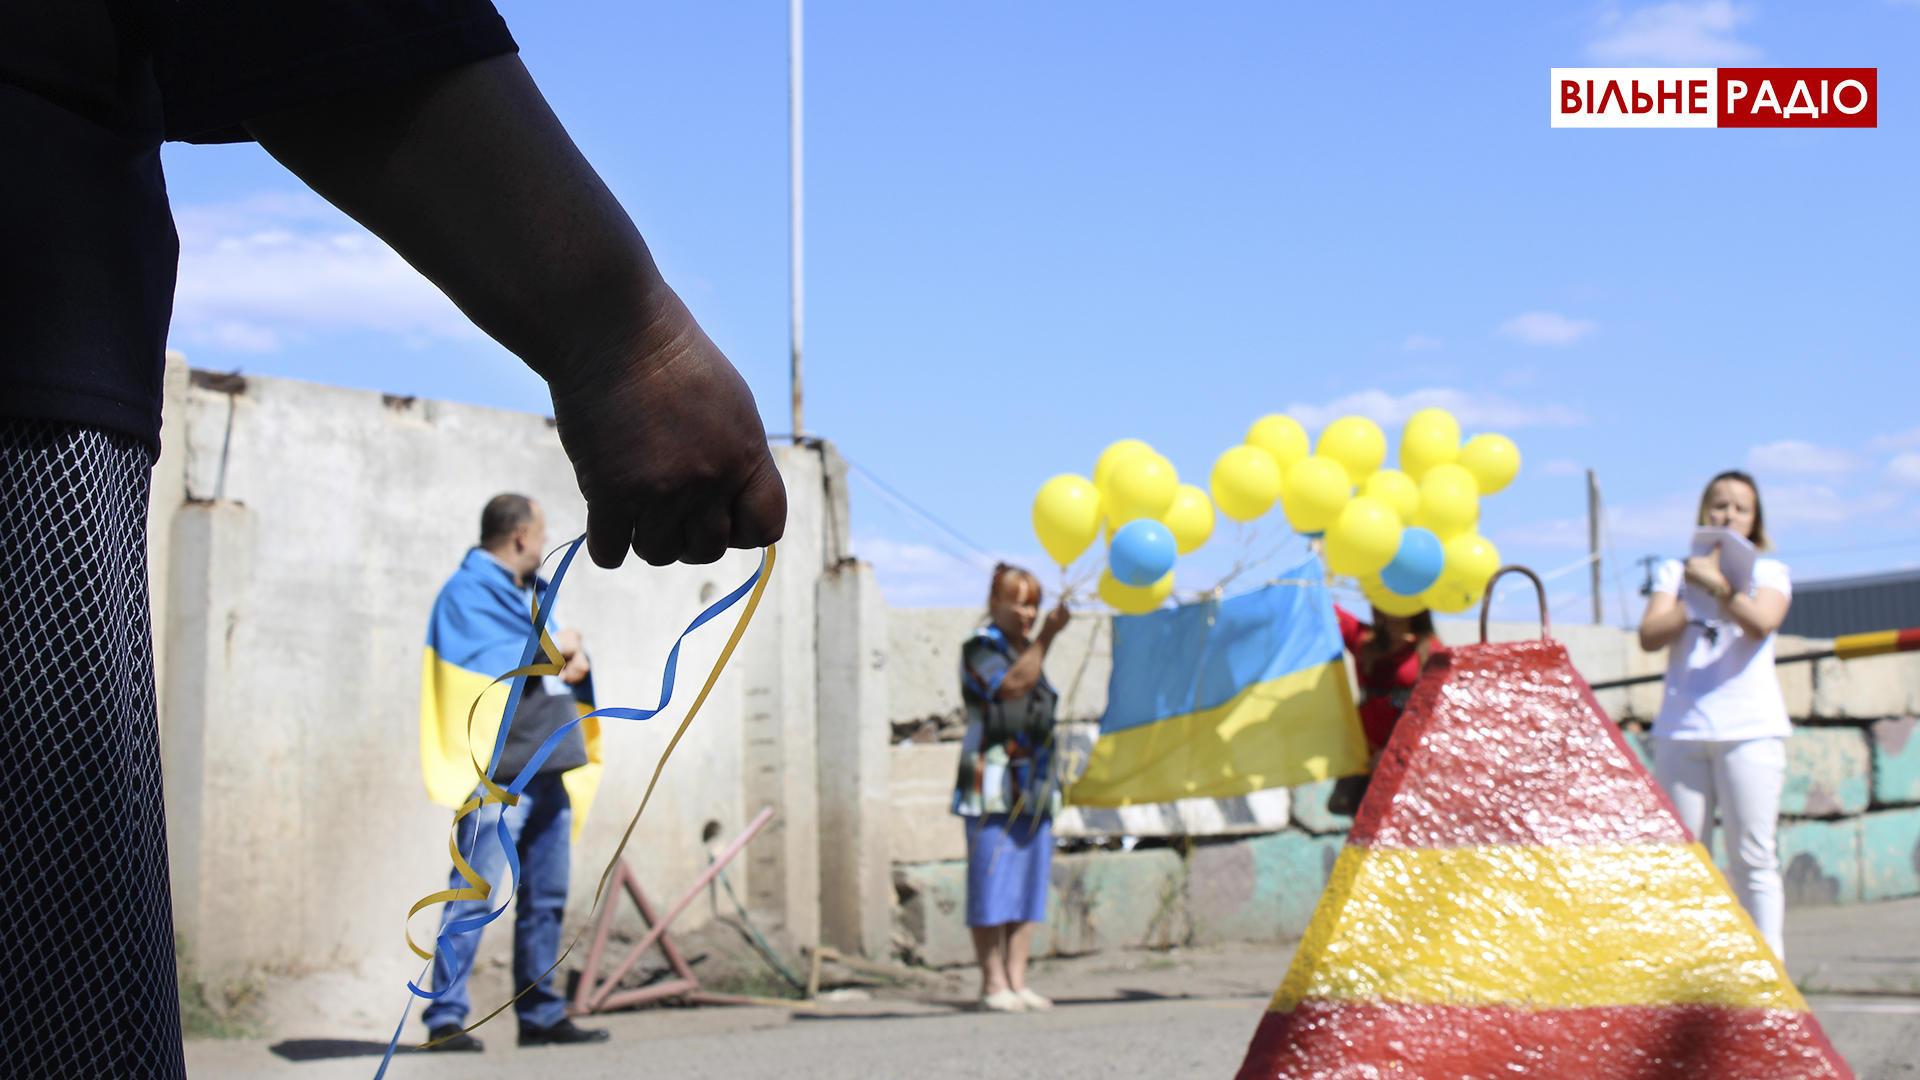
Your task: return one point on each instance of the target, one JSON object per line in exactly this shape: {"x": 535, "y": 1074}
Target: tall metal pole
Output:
{"x": 1593, "y": 542}
{"x": 797, "y": 271}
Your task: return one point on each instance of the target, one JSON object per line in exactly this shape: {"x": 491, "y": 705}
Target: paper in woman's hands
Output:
{"x": 1736, "y": 564}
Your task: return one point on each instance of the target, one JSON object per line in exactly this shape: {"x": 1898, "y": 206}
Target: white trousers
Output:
{"x": 1742, "y": 780}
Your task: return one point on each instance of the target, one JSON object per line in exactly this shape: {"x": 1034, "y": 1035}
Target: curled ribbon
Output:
{"x": 540, "y": 644}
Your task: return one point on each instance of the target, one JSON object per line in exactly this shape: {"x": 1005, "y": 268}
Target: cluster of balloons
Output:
{"x": 1150, "y": 518}
{"x": 1408, "y": 534}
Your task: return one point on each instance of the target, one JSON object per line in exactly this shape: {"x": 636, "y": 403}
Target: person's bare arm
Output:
{"x": 1665, "y": 619}
{"x": 1027, "y": 668}
{"x": 472, "y": 179}
{"x": 1760, "y": 614}
{"x": 1757, "y": 615}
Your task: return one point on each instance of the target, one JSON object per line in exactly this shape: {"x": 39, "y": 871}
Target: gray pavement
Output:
{"x": 1187, "y": 1013}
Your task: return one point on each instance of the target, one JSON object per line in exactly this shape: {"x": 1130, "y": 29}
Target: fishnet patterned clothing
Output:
{"x": 87, "y": 983}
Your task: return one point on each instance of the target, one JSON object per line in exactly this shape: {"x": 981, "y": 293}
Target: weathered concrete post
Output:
{"x": 779, "y": 699}
{"x": 856, "y": 880}
{"x": 221, "y": 807}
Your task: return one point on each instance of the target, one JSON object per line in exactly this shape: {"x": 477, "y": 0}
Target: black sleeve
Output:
{"x": 226, "y": 61}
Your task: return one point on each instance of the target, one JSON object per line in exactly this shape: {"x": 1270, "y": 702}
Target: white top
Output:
{"x": 1720, "y": 682}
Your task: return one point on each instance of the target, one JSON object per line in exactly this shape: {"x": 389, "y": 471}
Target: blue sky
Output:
{"x": 1036, "y": 228}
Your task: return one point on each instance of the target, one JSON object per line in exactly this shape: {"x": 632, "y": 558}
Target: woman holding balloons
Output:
{"x": 1005, "y": 789}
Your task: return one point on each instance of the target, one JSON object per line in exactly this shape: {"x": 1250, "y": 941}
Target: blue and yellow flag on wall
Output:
{"x": 478, "y": 631}
{"x": 1223, "y": 697}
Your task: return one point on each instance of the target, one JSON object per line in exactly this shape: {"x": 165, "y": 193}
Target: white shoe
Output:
{"x": 1035, "y": 1002}
{"x": 1003, "y": 1001}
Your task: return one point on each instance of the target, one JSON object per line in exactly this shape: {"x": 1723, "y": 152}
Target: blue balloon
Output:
{"x": 1416, "y": 565}
{"x": 1142, "y": 552}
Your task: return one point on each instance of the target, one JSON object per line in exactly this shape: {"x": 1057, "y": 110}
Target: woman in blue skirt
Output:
{"x": 1005, "y": 789}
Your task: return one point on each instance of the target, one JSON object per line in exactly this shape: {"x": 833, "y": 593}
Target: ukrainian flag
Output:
{"x": 1219, "y": 698}
{"x": 477, "y": 632}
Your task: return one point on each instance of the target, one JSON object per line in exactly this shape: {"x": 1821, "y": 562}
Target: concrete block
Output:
{"x": 1796, "y": 680}
{"x": 1896, "y": 761}
{"x": 1310, "y": 809}
{"x": 1890, "y": 854}
{"x": 923, "y": 827}
{"x": 1869, "y": 689}
{"x": 930, "y": 919}
{"x": 1820, "y": 862}
{"x": 1262, "y": 888}
{"x": 1107, "y": 900}
{"x": 1828, "y": 770}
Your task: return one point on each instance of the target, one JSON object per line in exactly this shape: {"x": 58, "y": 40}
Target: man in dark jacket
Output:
{"x": 415, "y": 117}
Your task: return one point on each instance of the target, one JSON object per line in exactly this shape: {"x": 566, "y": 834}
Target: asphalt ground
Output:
{"x": 1182, "y": 1013}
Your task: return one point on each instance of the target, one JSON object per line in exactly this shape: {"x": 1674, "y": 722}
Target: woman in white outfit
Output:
{"x": 1720, "y": 741}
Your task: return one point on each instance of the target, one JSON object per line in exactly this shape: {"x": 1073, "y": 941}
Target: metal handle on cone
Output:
{"x": 1486, "y": 599}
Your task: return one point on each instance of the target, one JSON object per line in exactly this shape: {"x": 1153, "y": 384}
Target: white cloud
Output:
{"x": 1818, "y": 505}
{"x": 1903, "y": 440}
{"x": 1698, "y": 34}
{"x": 1545, "y": 328}
{"x": 259, "y": 272}
{"x": 1560, "y": 467}
{"x": 1474, "y": 411}
{"x": 913, "y": 574}
{"x": 1660, "y": 525}
{"x": 1905, "y": 469}
{"x": 1796, "y": 458}
{"x": 1420, "y": 343}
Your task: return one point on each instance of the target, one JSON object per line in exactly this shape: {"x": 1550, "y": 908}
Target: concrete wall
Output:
{"x": 1850, "y": 828}
{"x": 301, "y": 532}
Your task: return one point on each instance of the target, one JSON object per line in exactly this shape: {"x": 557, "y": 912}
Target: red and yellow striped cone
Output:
{"x": 1518, "y": 898}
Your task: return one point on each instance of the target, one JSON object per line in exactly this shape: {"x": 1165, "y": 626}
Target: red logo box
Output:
{"x": 1799, "y": 97}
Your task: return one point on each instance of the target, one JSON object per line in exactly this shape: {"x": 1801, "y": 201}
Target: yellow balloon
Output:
{"x": 1363, "y": 538}
{"x": 1492, "y": 459}
{"x": 1316, "y": 490}
{"x": 1447, "y": 598}
{"x": 1449, "y": 501}
{"x": 1189, "y": 519}
{"x": 1471, "y": 562}
{"x": 1132, "y": 600}
{"x": 1141, "y": 486}
{"x": 1396, "y": 489}
{"x": 1245, "y": 482}
{"x": 1356, "y": 443}
{"x": 1431, "y": 437}
{"x": 1388, "y": 602}
{"x": 1282, "y": 436}
{"x": 1066, "y": 516}
{"x": 1112, "y": 456}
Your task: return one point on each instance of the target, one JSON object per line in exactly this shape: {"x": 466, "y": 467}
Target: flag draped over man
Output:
{"x": 477, "y": 631}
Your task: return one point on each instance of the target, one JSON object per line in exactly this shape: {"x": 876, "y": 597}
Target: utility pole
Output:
{"x": 1593, "y": 542}
{"x": 797, "y": 279}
